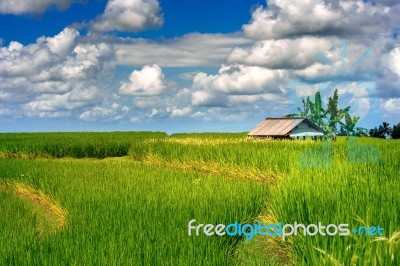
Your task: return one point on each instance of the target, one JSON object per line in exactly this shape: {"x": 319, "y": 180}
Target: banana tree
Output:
{"x": 349, "y": 123}
{"x": 306, "y": 108}
{"x": 336, "y": 114}
{"x": 327, "y": 118}
{"x": 318, "y": 113}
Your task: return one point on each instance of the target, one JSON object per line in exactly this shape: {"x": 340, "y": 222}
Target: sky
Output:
{"x": 193, "y": 66}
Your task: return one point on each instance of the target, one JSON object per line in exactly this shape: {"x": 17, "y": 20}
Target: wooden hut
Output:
{"x": 287, "y": 128}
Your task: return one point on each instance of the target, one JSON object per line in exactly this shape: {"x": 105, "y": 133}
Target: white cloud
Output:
{"x": 193, "y": 49}
{"x": 221, "y": 114}
{"x": 15, "y": 47}
{"x": 71, "y": 75}
{"x": 153, "y": 112}
{"x": 315, "y": 70}
{"x": 201, "y": 97}
{"x": 240, "y": 79}
{"x": 145, "y": 82}
{"x": 129, "y": 15}
{"x": 207, "y": 98}
{"x": 56, "y": 58}
{"x": 188, "y": 75}
{"x": 4, "y": 111}
{"x": 55, "y": 76}
{"x": 18, "y": 7}
{"x": 88, "y": 61}
{"x": 147, "y": 102}
{"x": 84, "y": 94}
{"x": 251, "y": 99}
{"x": 55, "y": 105}
{"x": 393, "y": 60}
{"x": 16, "y": 60}
{"x": 181, "y": 112}
{"x": 285, "y": 18}
{"x": 282, "y": 54}
{"x": 237, "y": 92}
{"x": 63, "y": 42}
{"x": 114, "y": 111}
{"x": 360, "y": 100}
{"x": 392, "y": 105}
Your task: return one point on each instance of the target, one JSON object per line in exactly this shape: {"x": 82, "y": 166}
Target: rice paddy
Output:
{"x": 127, "y": 197}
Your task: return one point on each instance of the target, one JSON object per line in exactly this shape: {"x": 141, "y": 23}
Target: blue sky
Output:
{"x": 183, "y": 66}
{"x": 181, "y": 17}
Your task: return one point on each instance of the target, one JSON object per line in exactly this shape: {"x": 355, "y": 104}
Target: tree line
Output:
{"x": 385, "y": 131}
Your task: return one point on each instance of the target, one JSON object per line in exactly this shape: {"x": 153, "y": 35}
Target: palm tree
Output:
{"x": 396, "y": 131}
{"x": 385, "y": 129}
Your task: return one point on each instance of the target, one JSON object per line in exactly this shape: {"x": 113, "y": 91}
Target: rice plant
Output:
{"x": 134, "y": 208}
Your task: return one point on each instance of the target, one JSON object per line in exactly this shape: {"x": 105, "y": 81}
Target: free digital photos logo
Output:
{"x": 280, "y": 229}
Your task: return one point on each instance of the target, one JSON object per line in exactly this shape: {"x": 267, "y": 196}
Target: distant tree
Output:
{"x": 361, "y": 132}
{"x": 375, "y": 133}
{"x": 396, "y": 131}
{"x": 383, "y": 131}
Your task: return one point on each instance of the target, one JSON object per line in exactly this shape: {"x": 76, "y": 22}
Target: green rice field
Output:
{"x": 125, "y": 198}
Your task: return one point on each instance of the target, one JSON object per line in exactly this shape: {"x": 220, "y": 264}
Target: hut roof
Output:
{"x": 280, "y": 126}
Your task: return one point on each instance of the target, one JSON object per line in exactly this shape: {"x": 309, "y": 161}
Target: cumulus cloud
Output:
{"x": 393, "y": 60}
{"x": 392, "y": 105}
{"x": 193, "y": 49}
{"x": 145, "y": 82}
{"x": 63, "y": 42}
{"x": 16, "y": 60}
{"x": 114, "y": 111}
{"x": 241, "y": 79}
{"x": 129, "y": 15}
{"x": 285, "y": 18}
{"x": 55, "y": 58}
{"x": 356, "y": 64}
{"x": 71, "y": 75}
{"x": 282, "y": 54}
{"x": 251, "y": 99}
{"x": 181, "y": 112}
{"x": 55, "y": 76}
{"x": 208, "y": 98}
{"x": 17, "y": 7}
{"x": 56, "y": 105}
{"x": 237, "y": 92}
{"x": 221, "y": 114}
{"x": 4, "y": 111}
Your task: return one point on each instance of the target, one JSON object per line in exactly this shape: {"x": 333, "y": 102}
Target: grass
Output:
{"x": 75, "y": 145}
{"x": 119, "y": 208}
{"x": 354, "y": 193}
{"x": 122, "y": 212}
{"x": 51, "y": 217}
